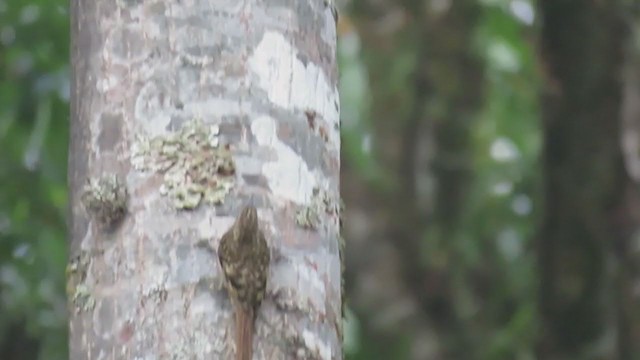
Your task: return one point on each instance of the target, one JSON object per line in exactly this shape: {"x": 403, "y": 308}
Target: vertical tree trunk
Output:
{"x": 182, "y": 113}
{"x": 449, "y": 86}
{"x": 628, "y": 304}
{"x": 585, "y": 179}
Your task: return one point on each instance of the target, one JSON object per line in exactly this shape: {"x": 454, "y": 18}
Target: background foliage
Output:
{"x": 397, "y": 64}
{"x": 34, "y": 112}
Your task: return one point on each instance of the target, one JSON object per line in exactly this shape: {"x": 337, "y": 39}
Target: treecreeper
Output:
{"x": 244, "y": 257}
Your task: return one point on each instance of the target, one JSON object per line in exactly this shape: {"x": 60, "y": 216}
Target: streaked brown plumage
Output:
{"x": 244, "y": 257}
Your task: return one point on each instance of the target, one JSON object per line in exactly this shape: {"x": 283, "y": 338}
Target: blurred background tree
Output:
{"x": 492, "y": 202}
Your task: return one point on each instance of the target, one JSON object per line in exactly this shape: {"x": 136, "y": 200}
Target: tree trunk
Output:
{"x": 585, "y": 180}
{"x": 182, "y": 114}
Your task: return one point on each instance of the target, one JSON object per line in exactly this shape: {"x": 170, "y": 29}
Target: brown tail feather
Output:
{"x": 244, "y": 334}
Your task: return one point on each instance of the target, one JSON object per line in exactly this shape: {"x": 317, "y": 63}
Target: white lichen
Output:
{"x": 315, "y": 345}
{"x": 195, "y": 167}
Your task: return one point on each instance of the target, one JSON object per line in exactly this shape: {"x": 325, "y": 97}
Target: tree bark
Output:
{"x": 585, "y": 184}
{"x": 182, "y": 114}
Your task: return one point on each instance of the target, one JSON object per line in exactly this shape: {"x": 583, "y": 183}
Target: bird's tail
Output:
{"x": 244, "y": 334}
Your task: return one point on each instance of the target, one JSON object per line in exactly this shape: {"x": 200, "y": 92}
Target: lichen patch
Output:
{"x": 105, "y": 198}
{"x": 82, "y": 299}
{"x": 321, "y": 204}
{"x": 195, "y": 167}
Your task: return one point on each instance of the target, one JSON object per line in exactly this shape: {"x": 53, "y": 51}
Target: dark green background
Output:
{"x": 473, "y": 73}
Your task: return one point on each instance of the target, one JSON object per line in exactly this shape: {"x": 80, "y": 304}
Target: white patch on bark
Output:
{"x": 201, "y": 305}
{"x": 150, "y": 112}
{"x": 288, "y": 177}
{"x": 106, "y": 84}
{"x": 313, "y": 343}
{"x": 329, "y": 31}
{"x": 288, "y": 82}
{"x": 156, "y": 279}
{"x": 214, "y": 107}
{"x": 310, "y": 286}
{"x": 212, "y": 227}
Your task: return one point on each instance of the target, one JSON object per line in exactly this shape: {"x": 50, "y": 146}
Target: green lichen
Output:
{"x": 195, "y": 167}
{"x": 321, "y": 202}
{"x": 308, "y": 217}
{"x": 76, "y": 272}
{"x": 82, "y": 299}
{"x": 105, "y": 198}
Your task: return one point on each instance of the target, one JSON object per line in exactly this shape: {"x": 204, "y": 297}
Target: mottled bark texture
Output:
{"x": 198, "y": 108}
{"x": 581, "y": 247}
